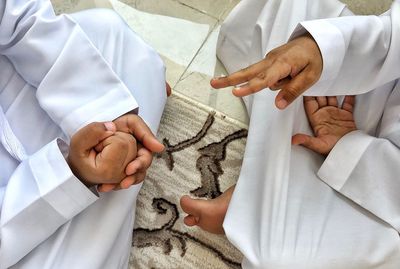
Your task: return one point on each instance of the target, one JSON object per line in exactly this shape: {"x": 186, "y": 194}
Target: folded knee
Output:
{"x": 100, "y": 20}
{"x": 108, "y": 19}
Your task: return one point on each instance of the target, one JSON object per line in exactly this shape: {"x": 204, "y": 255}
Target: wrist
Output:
{"x": 76, "y": 173}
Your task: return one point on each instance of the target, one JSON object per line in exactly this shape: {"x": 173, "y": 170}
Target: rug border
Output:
{"x": 208, "y": 109}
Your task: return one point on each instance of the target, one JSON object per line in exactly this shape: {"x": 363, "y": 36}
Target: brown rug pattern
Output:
{"x": 203, "y": 155}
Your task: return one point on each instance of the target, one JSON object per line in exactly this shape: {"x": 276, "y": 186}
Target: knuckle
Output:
{"x": 261, "y": 75}
{"x": 254, "y": 89}
{"x": 106, "y": 173}
{"x": 247, "y": 73}
{"x": 121, "y": 142}
{"x": 271, "y": 54}
{"x": 230, "y": 80}
{"x": 94, "y": 125}
{"x": 311, "y": 76}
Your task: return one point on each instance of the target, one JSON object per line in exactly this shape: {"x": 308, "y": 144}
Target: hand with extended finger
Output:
{"x": 328, "y": 121}
{"x": 291, "y": 69}
{"x": 99, "y": 154}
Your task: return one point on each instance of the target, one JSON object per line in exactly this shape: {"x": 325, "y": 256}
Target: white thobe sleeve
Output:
{"x": 366, "y": 169}
{"x": 41, "y": 195}
{"x": 75, "y": 85}
{"x": 359, "y": 53}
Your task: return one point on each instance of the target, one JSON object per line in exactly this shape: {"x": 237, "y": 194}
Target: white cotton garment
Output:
{"x": 293, "y": 208}
{"x": 57, "y": 74}
{"x": 9, "y": 141}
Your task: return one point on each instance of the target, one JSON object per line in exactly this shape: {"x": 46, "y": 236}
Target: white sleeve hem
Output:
{"x": 40, "y": 197}
{"x": 124, "y": 103}
{"x": 57, "y": 184}
{"x": 342, "y": 159}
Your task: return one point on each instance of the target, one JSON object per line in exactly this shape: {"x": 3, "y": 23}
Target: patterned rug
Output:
{"x": 203, "y": 156}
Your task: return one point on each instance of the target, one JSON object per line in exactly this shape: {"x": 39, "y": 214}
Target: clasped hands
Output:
{"x": 291, "y": 69}
{"x": 113, "y": 155}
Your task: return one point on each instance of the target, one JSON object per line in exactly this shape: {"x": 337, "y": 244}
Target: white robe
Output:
{"x": 293, "y": 208}
{"x": 57, "y": 74}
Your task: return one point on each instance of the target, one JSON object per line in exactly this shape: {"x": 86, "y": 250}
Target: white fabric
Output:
{"x": 56, "y": 75}
{"x": 8, "y": 139}
{"x": 282, "y": 215}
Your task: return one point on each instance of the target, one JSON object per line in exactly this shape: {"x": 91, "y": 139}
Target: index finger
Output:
{"x": 135, "y": 125}
{"x": 141, "y": 163}
{"x": 348, "y": 103}
{"x": 241, "y": 76}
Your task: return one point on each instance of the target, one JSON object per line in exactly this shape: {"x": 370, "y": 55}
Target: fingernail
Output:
{"x": 110, "y": 126}
{"x": 281, "y": 104}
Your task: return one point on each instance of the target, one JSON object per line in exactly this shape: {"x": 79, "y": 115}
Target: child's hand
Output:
{"x": 329, "y": 123}
{"x": 134, "y": 125}
{"x": 291, "y": 69}
{"x": 147, "y": 144}
{"x": 100, "y": 155}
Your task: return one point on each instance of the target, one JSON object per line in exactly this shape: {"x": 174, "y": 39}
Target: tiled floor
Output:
{"x": 185, "y": 35}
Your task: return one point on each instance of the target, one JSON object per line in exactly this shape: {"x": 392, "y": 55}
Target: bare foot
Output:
{"x": 207, "y": 214}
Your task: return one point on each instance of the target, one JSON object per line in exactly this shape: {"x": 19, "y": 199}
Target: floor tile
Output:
{"x": 172, "y": 8}
{"x": 213, "y": 8}
{"x": 195, "y": 82}
{"x": 176, "y": 40}
{"x": 70, "y": 6}
{"x": 184, "y": 33}
{"x": 363, "y": 7}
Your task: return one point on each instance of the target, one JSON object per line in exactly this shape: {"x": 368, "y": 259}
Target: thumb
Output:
{"x": 309, "y": 142}
{"x": 91, "y": 135}
{"x": 190, "y": 206}
{"x": 135, "y": 125}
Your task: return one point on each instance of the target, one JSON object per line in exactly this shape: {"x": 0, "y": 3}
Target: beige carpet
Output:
{"x": 203, "y": 158}
{"x": 368, "y": 7}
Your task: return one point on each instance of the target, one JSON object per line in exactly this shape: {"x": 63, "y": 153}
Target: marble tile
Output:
{"x": 70, "y": 6}
{"x": 213, "y": 8}
{"x": 195, "y": 82}
{"x": 196, "y": 86}
{"x": 176, "y": 40}
{"x": 174, "y": 71}
{"x": 172, "y": 8}
{"x": 369, "y": 7}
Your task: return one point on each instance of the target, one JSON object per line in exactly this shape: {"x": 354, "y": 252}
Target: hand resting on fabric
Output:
{"x": 328, "y": 121}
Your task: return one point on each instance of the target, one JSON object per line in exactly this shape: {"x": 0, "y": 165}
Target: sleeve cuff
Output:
{"x": 76, "y": 91}
{"x": 100, "y": 110}
{"x": 56, "y": 183}
{"x": 41, "y": 195}
{"x": 332, "y": 47}
{"x": 342, "y": 159}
